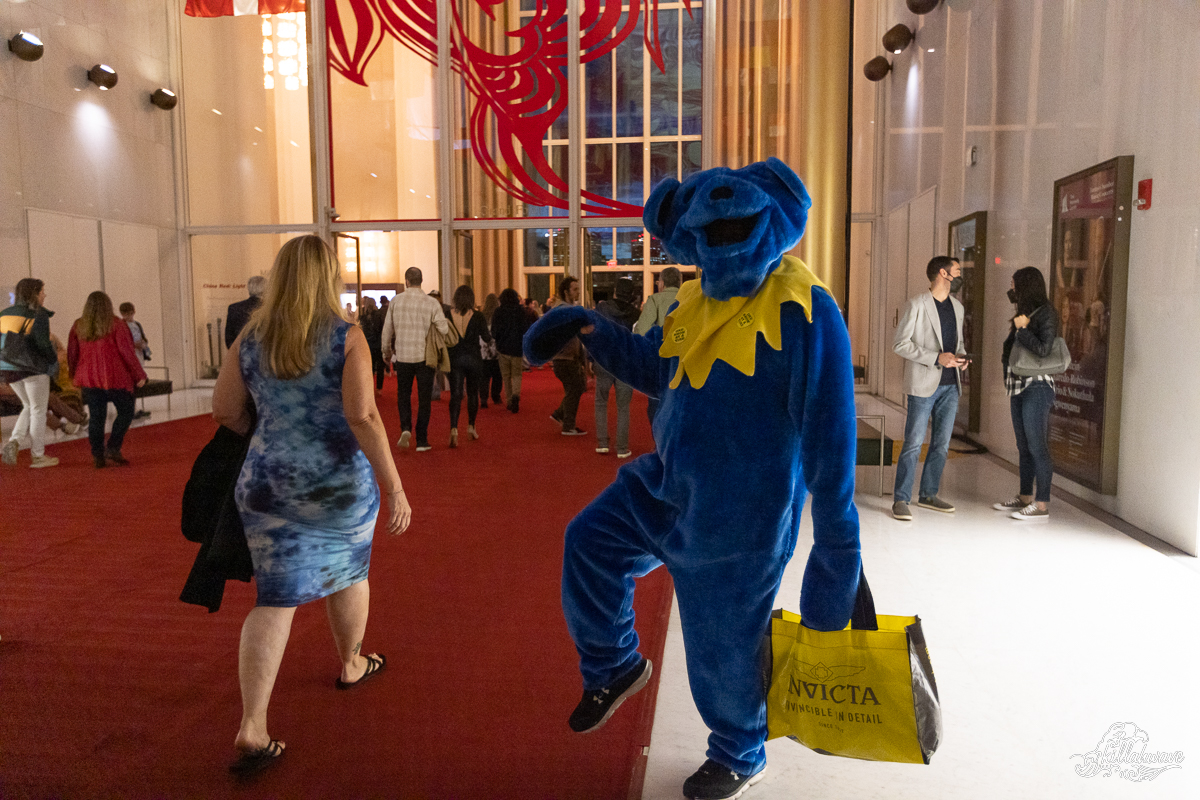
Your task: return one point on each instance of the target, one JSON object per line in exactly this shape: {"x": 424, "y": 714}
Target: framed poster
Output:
{"x": 968, "y": 243}
{"x": 1089, "y": 276}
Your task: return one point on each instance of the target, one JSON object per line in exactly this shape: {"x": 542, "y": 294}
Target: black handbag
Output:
{"x": 20, "y": 351}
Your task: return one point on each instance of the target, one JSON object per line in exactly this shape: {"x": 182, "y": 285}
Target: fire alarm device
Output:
{"x": 1144, "y": 187}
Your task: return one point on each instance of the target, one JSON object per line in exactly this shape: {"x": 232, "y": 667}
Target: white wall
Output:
{"x": 1045, "y": 88}
{"x": 69, "y": 148}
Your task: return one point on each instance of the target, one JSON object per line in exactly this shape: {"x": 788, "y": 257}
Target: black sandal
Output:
{"x": 375, "y": 664}
{"x": 252, "y": 762}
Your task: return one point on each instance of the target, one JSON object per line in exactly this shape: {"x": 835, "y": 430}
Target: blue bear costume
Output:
{"x": 753, "y": 371}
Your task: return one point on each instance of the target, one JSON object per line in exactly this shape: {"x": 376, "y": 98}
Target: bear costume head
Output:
{"x": 735, "y": 224}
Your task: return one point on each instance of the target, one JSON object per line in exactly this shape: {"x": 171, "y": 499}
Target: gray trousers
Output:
{"x": 604, "y": 382}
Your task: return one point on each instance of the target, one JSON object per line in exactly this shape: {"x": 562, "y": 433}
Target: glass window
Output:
{"x": 381, "y": 257}
{"x": 664, "y": 84}
{"x": 385, "y": 131}
{"x": 641, "y": 118}
{"x": 249, "y": 161}
{"x": 510, "y": 102}
{"x": 221, "y": 266}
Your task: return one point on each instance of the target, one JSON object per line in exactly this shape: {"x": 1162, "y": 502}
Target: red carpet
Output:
{"x": 111, "y": 687}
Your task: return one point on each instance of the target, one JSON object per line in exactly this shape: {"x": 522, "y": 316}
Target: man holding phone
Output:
{"x": 929, "y": 338}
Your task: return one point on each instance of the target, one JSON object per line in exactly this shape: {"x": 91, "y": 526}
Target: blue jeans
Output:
{"x": 1031, "y": 424}
{"x": 941, "y": 406}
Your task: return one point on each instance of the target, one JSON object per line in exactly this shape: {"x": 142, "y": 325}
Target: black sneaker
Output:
{"x": 597, "y": 706}
{"x": 714, "y": 781}
{"x": 556, "y": 416}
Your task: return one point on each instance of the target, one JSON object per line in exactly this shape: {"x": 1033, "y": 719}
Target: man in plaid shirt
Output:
{"x": 404, "y": 330}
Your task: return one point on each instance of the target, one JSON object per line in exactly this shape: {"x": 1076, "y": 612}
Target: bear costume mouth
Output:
{"x": 723, "y": 232}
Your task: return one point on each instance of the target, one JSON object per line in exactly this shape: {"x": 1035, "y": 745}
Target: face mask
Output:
{"x": 1012, "y": 296}
{"x": 956, "y": 284}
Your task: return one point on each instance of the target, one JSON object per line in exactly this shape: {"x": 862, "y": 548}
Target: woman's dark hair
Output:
{"x": 464, "y": 299}
{"x": 509, "y": 297}
{"x": 564, "y": 286}
{"x": 27, "y": 292}
{"x": 1030, "y": 287}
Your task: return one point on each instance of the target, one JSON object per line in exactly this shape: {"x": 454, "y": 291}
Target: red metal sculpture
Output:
{"x": 519, "y": 93}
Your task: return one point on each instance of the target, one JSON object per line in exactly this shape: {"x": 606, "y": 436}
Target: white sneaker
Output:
{"x": 404, "y": 439}
{"x": 602, "y": 451}
{"x": 624, "y": 453}
{"x": 43, "y": 461}
{"x": 9, "y": 454}
{"x": 1031, "y": 513}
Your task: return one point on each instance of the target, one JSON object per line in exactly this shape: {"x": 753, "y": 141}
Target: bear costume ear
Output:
{"x": 791, "y": 181}
{"x": 660, "y": 214}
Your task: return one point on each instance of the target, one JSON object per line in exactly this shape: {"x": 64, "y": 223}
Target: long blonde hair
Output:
{"x": 97, "y": 319}
{"x": 300, "y": 306}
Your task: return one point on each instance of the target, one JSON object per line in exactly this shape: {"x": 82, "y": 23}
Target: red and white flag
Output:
{"x": 237, "y": 8}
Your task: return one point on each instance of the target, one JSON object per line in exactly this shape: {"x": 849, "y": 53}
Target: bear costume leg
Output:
{"x": 605, "y": 549}
{"x": 725, "y": 608}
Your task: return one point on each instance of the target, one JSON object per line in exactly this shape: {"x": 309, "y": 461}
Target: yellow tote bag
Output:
{"x": 866, "y": 692}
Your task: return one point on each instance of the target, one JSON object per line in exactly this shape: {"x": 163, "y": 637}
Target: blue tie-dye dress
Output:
{"x": 307, "y": 493}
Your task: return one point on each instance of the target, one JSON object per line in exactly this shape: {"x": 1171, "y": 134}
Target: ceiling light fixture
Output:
{"x": 26, "y": 46}
{"x": 897, "y": 38}
{"x": 164, "y": 99}
{"x": 877, "y": 68}
{"x": 103, "y": 76}
{"x": 921, "y": 6}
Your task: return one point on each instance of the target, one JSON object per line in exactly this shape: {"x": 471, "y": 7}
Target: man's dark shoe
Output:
{"x": 598, "y": 705}
{"x": 556, "y": 416}
{"x": 714, "y": 781}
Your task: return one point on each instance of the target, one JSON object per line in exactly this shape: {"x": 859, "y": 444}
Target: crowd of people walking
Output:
{"x": 101, "y": 364}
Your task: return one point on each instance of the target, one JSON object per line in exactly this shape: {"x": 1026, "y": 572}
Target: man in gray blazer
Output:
{"x": 930, "y": 340}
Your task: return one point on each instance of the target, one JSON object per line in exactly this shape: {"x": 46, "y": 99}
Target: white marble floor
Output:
{"x": 183, "y": 403}
{"x": 1042, "y": 635}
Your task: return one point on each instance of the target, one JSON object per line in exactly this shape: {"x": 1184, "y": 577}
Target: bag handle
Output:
{"x": 863, "y": 617}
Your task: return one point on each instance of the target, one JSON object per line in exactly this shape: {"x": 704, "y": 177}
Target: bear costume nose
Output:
{"x": 720, "y": 193}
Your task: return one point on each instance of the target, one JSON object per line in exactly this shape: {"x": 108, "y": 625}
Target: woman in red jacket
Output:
{"x": 106, "y": 369}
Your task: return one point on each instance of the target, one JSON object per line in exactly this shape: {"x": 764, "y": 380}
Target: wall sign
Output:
{"x": 1089, "y": 276}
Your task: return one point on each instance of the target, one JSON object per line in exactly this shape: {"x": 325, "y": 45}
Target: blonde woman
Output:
{"x": 307, "y": 493}
{"x": 105, "y": 367}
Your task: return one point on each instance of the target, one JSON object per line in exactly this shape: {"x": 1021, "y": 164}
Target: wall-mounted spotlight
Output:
{"x": 164, "y": 99}
{"x": 921, "y": 6}
{"x": 103, "y": 76}
{"x": 26, "y": 46}
{"x": 897, "y": 38}
{"x": 877, "y": 68}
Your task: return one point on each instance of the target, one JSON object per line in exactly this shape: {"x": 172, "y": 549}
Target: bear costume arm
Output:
{"x": 633, "y": 359}
{"x": 822, "y": 405}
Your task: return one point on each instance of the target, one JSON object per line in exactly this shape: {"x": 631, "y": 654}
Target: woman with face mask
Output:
{"x": 1031, "y": 397}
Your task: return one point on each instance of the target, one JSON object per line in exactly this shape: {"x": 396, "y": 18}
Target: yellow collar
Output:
{"x": 701, "y": 330}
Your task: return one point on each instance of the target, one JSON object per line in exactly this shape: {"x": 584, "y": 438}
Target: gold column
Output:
{"x": 782, "y": 90}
